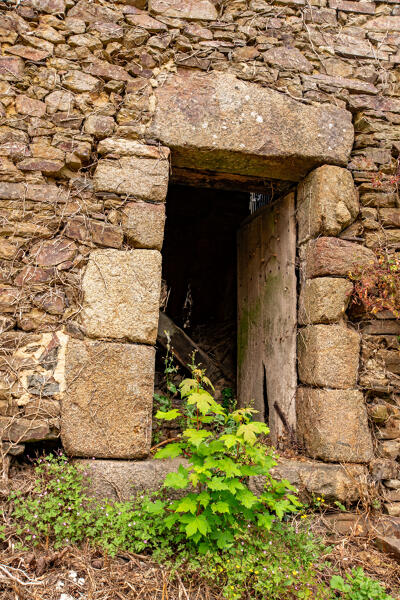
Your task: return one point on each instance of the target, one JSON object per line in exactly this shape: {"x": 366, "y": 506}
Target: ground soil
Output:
{"x": 84, "y": 573}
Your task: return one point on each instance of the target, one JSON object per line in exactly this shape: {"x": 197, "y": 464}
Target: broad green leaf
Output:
{"x": 224, "y": 538}
{"x": 280, "y": 487}
{"x": 265, "y": 520}
{"x": 204, "y": 547}
{"x": 230, "y": 440}
{"x": 196, "y": 436}
{"x": 171, "y": 520}
{"x": 197, "y": 537}
{"x": 187, "y": 385}
{"x": 203, "y": 451}
{"x": 281, "y": 507}
{"x": 187, "y": 504}
{"x": 197, "y": 524}
{"x": 206, "y": 420}
{"x": 337, "y": 583}
{"x": 204, "y": 499}
{"x": 169, "y": 451}
{"x": 243, "y": 414}
{"x": 202, "y": 399}
{"x": 294, "y": 500}
{"x": 211, "y": 463}
{"x": 194, "y": 479}
{"x": 287, "y": 484}
{"x": 155, "y": 508}
{"x": 251, "y": 430}
{"x": 228, "y": 466}
{"x": 234, "y": 485}
{"x": 208, "y": 382}
{"x": 216, "y": 446}
{"x": 220, "y": 507}
{"x": 178, "y": 480}
{"x": 269, "y": 462}
{"x": 247, "y": 498}
{"x": 249, "y": 470}
{"x": 218, "y": 409}
{"x": 202, "y": 471}
{"x": 169, "y": 415}
{"x": 218, "y": 484}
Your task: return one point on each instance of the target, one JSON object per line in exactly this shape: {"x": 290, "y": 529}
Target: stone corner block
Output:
{"x": 121, "y": 293}
{"x": 121, "y": 479}
{"x": 132, "y": 169}
{"x": 143, "y": 224}
{"x": 333, "y": 256}
{"x": 327, "y": 202}
{"x": 328, "y": 356}
{"x": 323, "y": 300}
{"x": 332, "y": 425}
{"x": 107, "y": 406}
{"x": 345, "y": 483}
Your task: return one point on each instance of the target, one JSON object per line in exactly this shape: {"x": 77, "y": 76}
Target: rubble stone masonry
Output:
{"x": 98, "y": 100}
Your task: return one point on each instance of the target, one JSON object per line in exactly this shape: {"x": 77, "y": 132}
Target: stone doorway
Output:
{"x": 207, "y": 131}
{"x": 229, "y": 283}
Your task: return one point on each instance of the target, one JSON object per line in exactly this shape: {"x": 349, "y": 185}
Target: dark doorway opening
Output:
{"x": 200, "y": 270}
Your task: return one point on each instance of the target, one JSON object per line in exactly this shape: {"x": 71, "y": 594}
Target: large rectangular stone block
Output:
{"x": 121, "y": 294}
{"x": 141, "y": 175}
{"x": 327, "y": 202}
{"x": 333, "y": 256}
{"x": 332, "y": 425}
{"x": 107, "y": 407}
{"x": 122, "y": 479}
{"x": 323, "y": 300}
{"x": 328, "y": 356}
{"x": 217, "y": 122}
{"x": 346, "y": 483}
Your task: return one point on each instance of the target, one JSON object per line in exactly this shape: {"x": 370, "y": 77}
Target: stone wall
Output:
{"x": 89, "y": 110}
{"x": 338, "y": 356}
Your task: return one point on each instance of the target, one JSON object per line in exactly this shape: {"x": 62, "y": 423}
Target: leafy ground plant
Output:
{"x": 357, "y": 586}
{"x": 283, "y": 563}
{"x": 218, "y": 532}
{"x": 223, "y": 451}
{"x": 59, "y": 512}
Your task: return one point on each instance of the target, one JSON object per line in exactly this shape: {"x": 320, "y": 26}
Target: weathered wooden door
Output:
{"x": 267, "y": 306}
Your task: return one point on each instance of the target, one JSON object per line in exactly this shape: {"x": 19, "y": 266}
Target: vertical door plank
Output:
{"x": 267, "y": 313}
{"x": 249, "y": 311}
